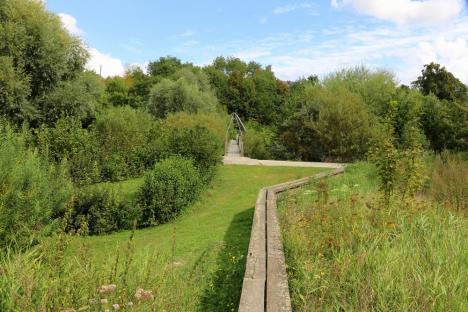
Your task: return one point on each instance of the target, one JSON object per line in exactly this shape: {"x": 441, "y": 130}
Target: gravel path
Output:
{"x": 233, "y": 160}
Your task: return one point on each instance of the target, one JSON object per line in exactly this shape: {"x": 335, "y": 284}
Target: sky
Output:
{"x": 298, "y": 38}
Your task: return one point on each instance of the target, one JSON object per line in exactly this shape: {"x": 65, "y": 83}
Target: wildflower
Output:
{"x": 107, "y": 289}
{"x": 116, "y": 306}
{"x": 92, "y": 301}
{"x": 144, "y": 295}
{"x": 104, "y": 301}
{"x": 130, "y": 304}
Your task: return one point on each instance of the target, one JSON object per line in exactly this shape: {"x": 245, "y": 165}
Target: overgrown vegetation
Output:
{"x": 66, "y": 134}
{"x": 346, "y": 250}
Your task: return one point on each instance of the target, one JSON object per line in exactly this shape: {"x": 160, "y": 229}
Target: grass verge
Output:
{"x": 195, "y": 263}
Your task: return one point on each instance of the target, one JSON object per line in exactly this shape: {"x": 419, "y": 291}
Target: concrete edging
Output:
{"x": 265, "y": 286}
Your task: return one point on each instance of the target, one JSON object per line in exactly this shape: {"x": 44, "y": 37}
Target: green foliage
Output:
{"x": 164, "y": 67}
{"x": 122, "y": 134}
{"x": 42, "y": 52}
{"x": 79, "y": 98}
{"x": 247, "y": 89}
{"x": 197, "y": 143}
{"x": 352, "y": 255}
{"x": 436, "y": 80}
{"x": 376, "y": 88}
{"x": 117, "y": 91}
{"x": 343, "y": 126}
{"x": 444, "y": 123}
{"x": 257, "y": 141}
{"x": 403, "y": 169}
{"x": 172, "y": 186}
{"x": 331, "y": 124}
{"x": 33, "y": 194}
{"x": 139, "y": 91}
{"x": 14, "y": 93}
{"x": 101, "y": 210}
{"x": 68, "y": 140}
{"x": 384, "y": 155}
{"x": 170, "y": 96}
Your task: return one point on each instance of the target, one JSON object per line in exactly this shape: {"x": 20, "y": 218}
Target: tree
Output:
{"x": 42, "y": 55}
{"x": 164, "y": 66}
{"x": 78, "y": 98}
{"x": 170, "y": 96}
{"x": 435, "y": 79}
{"x": 117, "y": 91}
{"x": 247, "y": 89}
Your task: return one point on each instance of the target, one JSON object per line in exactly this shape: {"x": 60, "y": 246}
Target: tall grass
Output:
{"x": 449, "y": 183}
{"x": 345, "y": 252}
{"x": 50, "y": 278}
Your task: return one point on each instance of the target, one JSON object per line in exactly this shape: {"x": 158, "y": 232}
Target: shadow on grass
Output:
{"x": 224, "y": 289}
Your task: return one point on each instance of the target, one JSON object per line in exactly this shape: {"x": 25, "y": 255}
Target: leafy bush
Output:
{"x": 375, "y": 88}
{"x": 103, "y": 212}
{"x": 117, "y": 91}
{"x": 170, "y": 96}
{"x": 122, "y": 134}
{"x": 257, "y": 141}
{"x": 197, "y": 143}
{"x": 331, "y": 125}
{"x": 169, "y": 188}
{"x": 79, "y": 98}
{"x": 343, "y": 126}
{"x": 448, "y": 183}
{"x": 33, "y": 194}
{"x": 68, "y": 140}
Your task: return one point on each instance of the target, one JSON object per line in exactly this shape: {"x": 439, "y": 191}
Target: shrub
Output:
{"x": 101, "y": 209}
{"x": 169, "y": 188}
{"x": 197, "y": 143}
{"x": 448, "y": 184}
{"x": 122, "y": 134}
{"x": 33, "y": 194}
{"x": 182, "y": 95}
{"x": 68, "y": 140}
{"x": 257, "y": 141}
{"x": 79, "y": 98}
{"x": 343, "y": 126}
{"x": 332, "y": 124}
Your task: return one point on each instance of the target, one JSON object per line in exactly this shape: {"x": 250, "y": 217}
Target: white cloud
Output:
{"x": 105, "y": 64}
{"x": 293, "y": 7}
{"x": 453, "y": 54}
{"x": 406, "y": 11}
{"x": 70, "y": 24}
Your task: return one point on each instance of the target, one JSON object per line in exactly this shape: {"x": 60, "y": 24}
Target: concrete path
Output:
{"x": 233, "y": 149}
{"x": 233, "y": 160}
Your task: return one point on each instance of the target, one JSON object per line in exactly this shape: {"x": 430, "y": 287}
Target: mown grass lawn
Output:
{"x": 208, "y": 243}
{"x": 345, "y": 251}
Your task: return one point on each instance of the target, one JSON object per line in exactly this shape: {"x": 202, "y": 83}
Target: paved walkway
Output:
{"x": 230, "y": 160}
{"x": 233, "y": 149}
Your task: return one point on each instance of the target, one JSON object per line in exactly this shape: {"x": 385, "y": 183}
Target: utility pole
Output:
{"x": 100, "y": 70}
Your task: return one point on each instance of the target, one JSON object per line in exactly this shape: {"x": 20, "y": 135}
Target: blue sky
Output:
{"x": 297, "y": 38}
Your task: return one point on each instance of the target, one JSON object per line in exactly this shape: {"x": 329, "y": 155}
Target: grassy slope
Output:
{"x": 216, "y": 230}
{"x": 351, "y": 254}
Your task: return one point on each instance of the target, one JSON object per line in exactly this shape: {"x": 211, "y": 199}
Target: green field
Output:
{"x": 203, "y": 250}
{"x": 346, "y": 252}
